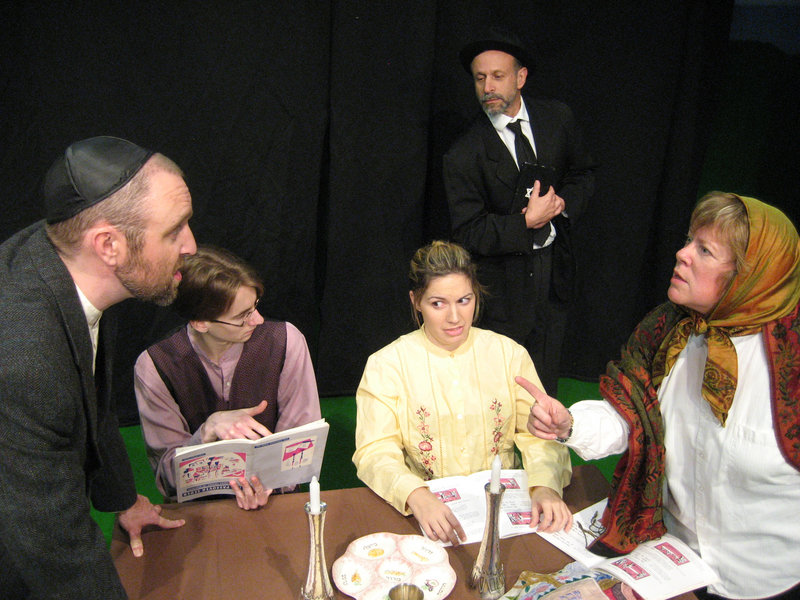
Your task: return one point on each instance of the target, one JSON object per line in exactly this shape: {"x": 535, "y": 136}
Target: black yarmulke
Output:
{"x": 88, "y": 172}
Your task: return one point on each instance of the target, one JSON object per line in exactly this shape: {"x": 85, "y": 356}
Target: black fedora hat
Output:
{"x": 495, "y": 38}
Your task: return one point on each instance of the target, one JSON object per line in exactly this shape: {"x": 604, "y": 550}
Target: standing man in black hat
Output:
{"x": 514, "y": 218}
{"x": 116, "y": 227}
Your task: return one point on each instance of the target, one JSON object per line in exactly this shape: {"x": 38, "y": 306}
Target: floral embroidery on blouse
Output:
{"x": 426, "y": 444}
{"x": 497, "y": 431}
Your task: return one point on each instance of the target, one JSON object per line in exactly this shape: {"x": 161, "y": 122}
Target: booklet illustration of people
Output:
{"x": 466, "y": 497}
{"x": 656, "y": 570}
{"x": 285, "y": 458}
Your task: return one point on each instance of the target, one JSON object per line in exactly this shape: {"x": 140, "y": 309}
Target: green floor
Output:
{"x": 337, "y": 469}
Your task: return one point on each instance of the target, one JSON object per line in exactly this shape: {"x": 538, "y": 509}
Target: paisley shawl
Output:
{"x": 635, "y": 504}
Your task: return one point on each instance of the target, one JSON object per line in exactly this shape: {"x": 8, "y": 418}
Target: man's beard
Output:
{"x": 496, "y": 109}
{"x": 151, "y": 284}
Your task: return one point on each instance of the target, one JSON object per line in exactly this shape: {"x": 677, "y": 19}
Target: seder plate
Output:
{"x": 375, "y": 563}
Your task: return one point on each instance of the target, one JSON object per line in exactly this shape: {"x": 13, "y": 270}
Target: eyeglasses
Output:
{"x": 245, "y": 318}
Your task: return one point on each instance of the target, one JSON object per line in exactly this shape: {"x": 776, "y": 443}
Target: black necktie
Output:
{"x": 521, "y": 144}
{"x": 525, "y": 154}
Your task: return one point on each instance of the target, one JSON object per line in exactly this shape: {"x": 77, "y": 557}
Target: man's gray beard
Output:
{"x": 495, "y": 111}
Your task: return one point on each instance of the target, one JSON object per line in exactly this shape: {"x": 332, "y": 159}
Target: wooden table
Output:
{"x": 226, "y": 552}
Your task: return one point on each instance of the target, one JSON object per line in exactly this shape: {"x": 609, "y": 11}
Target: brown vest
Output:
{"x": 255, "y": 378}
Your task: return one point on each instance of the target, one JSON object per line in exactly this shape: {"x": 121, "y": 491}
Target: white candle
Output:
{"x": 494, "y": 485}
{"x": 314, "y": 493}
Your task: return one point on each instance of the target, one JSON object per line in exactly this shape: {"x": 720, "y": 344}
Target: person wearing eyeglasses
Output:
{"x": 228, "y": 374}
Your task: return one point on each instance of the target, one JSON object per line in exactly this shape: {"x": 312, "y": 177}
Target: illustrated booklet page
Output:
{"x": 466, "y": 497}
{"x": 656, "y": 570}
{"x": 573, "y": 582}
{"x": 285, "y": 458}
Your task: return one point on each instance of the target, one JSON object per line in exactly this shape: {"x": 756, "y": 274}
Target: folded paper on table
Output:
{"x": 656, "y": 570}
{"x": 466, "y": 497}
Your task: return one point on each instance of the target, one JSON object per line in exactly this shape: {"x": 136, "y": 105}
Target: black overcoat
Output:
{"x": 480, "y": 178}
{"x": 60, "y": 445}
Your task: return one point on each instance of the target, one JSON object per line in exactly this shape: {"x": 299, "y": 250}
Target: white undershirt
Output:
{"x": 730, "y": 494}
{"x": 93, "y": 321}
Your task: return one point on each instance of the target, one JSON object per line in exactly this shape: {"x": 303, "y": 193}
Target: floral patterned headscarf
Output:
{"x": 767, "y": 288}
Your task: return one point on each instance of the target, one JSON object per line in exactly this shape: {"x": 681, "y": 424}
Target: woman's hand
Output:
{"x": 436, "y": 519}
{"x": 237, "y": 424}
{"x": 549, "y": 511}
{"x": 548, "y": 419}
{"x": 250, "y": 495}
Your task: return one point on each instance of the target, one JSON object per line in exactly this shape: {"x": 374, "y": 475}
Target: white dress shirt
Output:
{"x": 500, "y": 123}
{"x": 729, "y": 492}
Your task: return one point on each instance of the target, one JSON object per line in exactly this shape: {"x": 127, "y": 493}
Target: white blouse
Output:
{"x": 729, "y": 492}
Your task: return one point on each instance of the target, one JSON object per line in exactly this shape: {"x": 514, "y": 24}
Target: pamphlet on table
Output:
{"x": 573, "y": 582}
{"x": 466, "y": 497}
{"x": 657, "y": 569}
{"x": 285, "y": 458}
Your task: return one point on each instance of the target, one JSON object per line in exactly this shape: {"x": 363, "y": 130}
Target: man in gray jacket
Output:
{"x": 116, "y": 227}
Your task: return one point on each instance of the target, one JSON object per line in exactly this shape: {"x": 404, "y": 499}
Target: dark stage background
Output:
{"x": 311, "y": 134}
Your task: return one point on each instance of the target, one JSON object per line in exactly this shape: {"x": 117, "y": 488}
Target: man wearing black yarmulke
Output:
{"x": 116, "y": 227}
{"x": 515, "y": 182}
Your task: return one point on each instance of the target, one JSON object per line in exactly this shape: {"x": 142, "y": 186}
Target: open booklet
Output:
{"x": 656, "y": 570}
{"x": 466, "y": 497}
{"x": 282, "y": 459}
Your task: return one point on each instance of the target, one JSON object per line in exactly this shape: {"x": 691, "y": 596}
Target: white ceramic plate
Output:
{"x": 372, "y": 564}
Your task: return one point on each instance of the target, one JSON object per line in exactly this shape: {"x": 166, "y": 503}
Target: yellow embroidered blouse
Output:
{"x": 424, "y": 412}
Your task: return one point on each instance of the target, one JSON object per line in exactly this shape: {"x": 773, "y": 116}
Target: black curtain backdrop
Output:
{"x": 311, "y": 134}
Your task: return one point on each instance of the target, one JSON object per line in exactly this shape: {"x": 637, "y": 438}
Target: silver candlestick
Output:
{"x": 488, "y": 576}
{"x": 318, "y": 584}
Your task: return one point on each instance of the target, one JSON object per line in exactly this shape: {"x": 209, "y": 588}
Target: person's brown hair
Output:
{"x": 727, "y": 214}
{"x": 210, "y": 280}
{"x": 438, "y": 259}
{"x": 123, "y": 209}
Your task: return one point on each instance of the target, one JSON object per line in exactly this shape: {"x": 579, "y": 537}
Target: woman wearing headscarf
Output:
{"x": 705, "y": 403}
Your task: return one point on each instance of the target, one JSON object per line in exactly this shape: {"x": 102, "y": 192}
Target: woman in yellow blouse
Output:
{"x": 442, "y": 401}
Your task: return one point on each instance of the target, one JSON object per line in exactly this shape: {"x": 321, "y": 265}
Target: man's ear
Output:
{"x": 199, "y": 326}
{"x": 522, "y": 77}
{"x": 108, "y": 244}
